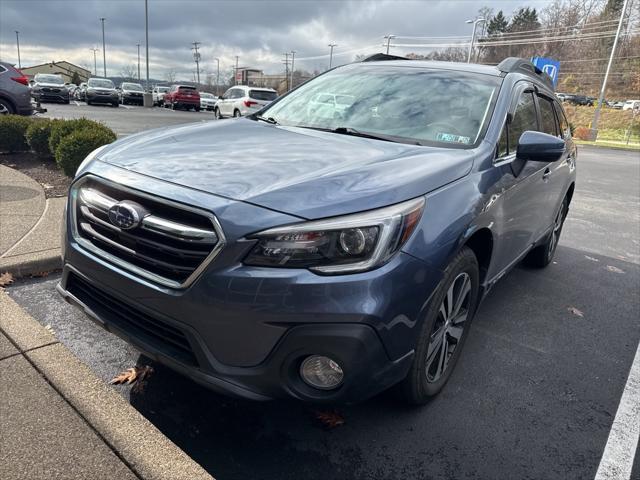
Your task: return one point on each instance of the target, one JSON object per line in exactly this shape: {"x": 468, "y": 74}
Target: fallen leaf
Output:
{"x": 613, "y": 269}
{"x": 576, "y": 312}
{"x": 5, "y": 279}
{"x": 330, "y": 419}
{"x": 46, "y": 186}
{"x": 591, "y": 258}
{"x": 131, "y": 375}
{"x": 49, "y": 328}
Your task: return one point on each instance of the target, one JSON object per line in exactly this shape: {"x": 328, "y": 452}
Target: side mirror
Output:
{"x": 540, "y": 147}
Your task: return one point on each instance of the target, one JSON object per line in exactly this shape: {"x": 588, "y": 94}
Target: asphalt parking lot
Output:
{"x": 533, "y": 397}
{"x": 126, "y": 119}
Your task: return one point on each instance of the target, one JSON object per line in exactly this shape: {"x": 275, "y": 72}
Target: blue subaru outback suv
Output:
{"x": 332, "y": 245}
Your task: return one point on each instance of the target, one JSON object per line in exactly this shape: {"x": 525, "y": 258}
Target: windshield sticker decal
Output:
{"x": 452, "y": 138}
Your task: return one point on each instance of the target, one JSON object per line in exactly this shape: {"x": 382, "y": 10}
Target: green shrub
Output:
{"x": 38, "y": 136}
{"x": 12, "y": 133}
{"x": 73, "y": 148}
{"x": 63, "y": 128}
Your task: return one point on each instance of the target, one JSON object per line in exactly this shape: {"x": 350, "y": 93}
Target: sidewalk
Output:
{"x": 29, "y": 225}
{"x": 59, "y": 421}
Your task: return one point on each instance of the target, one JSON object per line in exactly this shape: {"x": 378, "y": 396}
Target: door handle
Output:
{"x": 546, "y": 174}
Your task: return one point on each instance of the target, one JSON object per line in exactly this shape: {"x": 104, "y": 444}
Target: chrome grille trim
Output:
{"x": 94, "y": 201}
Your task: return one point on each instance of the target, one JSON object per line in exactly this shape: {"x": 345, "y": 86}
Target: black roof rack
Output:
{"x": 379, "y": 57}
{"x": 520, "y": 65}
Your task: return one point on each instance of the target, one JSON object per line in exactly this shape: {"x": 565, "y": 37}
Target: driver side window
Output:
{"x": 523, "y": 119}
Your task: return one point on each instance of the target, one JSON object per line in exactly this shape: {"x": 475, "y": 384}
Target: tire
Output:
{"x": 216, "y": 113}
{"x": 66, "y": 102}
{"x": 460, "y": 283}
{"x": 6, "y": 108}
{"x": 542, "y": 255}
{"x": 197, "y": 109}
{"x": 88, "y": 102}
{"x": 236, "y": 114}
{"x": 173, "y": 106}
{"x": 116, "y": 105}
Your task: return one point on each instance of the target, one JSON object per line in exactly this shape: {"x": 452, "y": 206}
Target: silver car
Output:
{"x": 102, "y": 90}
{"x": 243, "y": 100}
{"x": 207, "y": 101}
{"x": 15, "y": 95}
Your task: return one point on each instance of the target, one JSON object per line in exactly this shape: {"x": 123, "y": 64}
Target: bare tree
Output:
{"x": 170, "y": 76}
{"x": 128, "y": 72}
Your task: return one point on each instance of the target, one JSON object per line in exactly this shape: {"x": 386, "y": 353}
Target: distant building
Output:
{"x": 66, "y": 69}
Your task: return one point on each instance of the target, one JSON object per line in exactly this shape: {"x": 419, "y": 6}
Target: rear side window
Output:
{"x": 565, "y": 130}
{"x": 547, "y": 117}
{"x": 523, "y": 119}
{"x": 187, "y": 89}
{"x": 262, "y": 95}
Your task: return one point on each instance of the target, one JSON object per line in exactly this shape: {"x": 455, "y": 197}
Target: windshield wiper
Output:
{"x": 359, "y": 133}
{"x": 270, "y": 120}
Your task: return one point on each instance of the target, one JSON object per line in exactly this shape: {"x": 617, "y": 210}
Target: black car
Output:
{"x": 49, "y": 87}
{"x": 131, "y": 93}
{"x": 579, "y": 100}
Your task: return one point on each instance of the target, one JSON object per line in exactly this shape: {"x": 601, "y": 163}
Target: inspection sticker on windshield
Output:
{"x": 451, "y": 138}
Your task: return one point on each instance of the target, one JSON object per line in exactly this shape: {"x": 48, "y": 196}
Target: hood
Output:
{"x": 48, "y": 85}
{"x": 298, "y": 171}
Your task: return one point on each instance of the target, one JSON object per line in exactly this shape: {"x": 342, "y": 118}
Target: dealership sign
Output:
{"x": 549, "y": 66}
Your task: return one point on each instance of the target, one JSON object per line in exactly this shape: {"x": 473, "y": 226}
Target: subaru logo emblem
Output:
{"x": 125, "y": 215}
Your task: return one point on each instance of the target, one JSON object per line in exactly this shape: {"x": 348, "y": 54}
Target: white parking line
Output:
{"x": 618, "y": 456}
{"x": 76, "y": 102}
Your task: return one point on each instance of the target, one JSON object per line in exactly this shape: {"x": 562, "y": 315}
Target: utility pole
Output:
{"x": 596, "y": 114}
{"x": 389, "y": 37}
{"x": 331, "y": 45}
{"x": 138, "y": 62}
{"x": 293, "y": 57}
{"x": 218, "y": 77}
{"x": 196, "y": 57}
{"x": 235, "y": 73}
{"x": 95, "y": 61}
{"x": 148, "y": 97}
{"x": 286, "y": 69}
{"x": 104, "y": 53}
{"x": 18, "y": 45}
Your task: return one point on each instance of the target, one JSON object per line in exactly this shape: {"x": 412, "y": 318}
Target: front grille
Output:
{"x": 147, "y": 329}
{"x": 170, "y": 243}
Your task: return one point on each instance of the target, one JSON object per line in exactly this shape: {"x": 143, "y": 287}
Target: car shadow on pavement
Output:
{"x": 522, "y": 403}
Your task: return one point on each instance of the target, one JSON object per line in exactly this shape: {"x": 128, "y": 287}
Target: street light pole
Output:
{"x": 218, "y": 77}
{"x": 389, "y": 37}
{"x": 473, "y": 35}
{"x": 235, "y": 73}
{"x": 331, "y": 45}
{"x": 104, "y": 53}
{"x": 148, "y": 97}
{"x": 596, "y": 114}
{"x": 95, "y": 61}
{"x": 293, "y": 57}
{"x": 18, "y": 45}
{"x": 138, "y": 61}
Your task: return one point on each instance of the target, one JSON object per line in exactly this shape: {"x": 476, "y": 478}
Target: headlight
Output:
{"x": 347, "y": 244}
{"x": 90, "y": 90}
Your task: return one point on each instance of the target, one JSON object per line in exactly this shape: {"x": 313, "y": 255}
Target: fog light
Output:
{"x": 321, "y": 372}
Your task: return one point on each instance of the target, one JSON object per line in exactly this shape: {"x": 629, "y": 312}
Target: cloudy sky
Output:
{"x": 257, "y": 31}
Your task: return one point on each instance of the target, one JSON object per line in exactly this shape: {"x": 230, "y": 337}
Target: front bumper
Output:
{"x": 51, "y": 96}
{"x": 102, "y": 98}
{"x": 245, "y": 330}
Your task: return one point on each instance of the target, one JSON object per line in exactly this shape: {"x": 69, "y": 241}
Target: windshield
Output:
{"x": 55, "y": 79}
{"x": 262, "y": 95}
{"x": 100, "y": 83}
{"x": 430, "y": 106}
{"x": 206, "y": 95}
{"x": 132, "y": 86}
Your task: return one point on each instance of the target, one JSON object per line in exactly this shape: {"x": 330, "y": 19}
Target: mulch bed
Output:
{"x": 42, "y": 170}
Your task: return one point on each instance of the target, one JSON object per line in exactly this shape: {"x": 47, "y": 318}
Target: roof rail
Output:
{"x": 515, "y": 64}
{"x": 379, "y": 57}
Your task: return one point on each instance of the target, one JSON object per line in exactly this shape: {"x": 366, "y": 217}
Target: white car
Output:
{"x": 158, "y": 94}
{"x": 631, "y": 105}
{"x": 327, "y": 105}
{"x": 242, "y": 100}
{"x": 207, "y": 101}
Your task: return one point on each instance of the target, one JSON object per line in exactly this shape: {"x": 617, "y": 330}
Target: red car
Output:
{"x": 182, "y": 96}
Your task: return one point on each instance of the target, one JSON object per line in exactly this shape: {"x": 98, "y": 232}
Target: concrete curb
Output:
{"x": 137, "y": 442}
{"x": 25, "y": 265}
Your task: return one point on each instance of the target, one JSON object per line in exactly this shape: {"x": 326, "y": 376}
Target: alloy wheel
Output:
{"x": 555, "y": 234}
{"x": 4, "y": 110}
{"x": 448, "y": 327}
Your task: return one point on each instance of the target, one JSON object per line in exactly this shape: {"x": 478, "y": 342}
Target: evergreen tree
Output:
{"x": 497, "y": 24}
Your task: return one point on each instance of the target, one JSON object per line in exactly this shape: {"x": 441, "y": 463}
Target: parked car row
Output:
{"x": 576, "y": 99}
